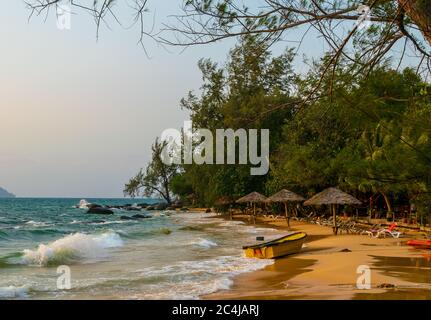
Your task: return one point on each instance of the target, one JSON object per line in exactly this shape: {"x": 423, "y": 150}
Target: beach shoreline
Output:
{"x": 327, "y": 268}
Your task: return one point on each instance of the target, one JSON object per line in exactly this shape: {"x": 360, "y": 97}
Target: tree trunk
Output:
{"x": 287, "y": 215}
{"x": 167, "y": 195}
{"x": 334, "y": 216}
{"x": 387, "y": 201}
{"x": 420, "y": 12}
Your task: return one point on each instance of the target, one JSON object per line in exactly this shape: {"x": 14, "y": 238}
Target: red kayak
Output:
{"x": 420, "y": 244}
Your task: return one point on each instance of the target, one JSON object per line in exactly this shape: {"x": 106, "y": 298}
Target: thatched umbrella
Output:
{"x": 285, "y": 196}
{"x": 332, "y": 197}
{"x": 254, "y": 197}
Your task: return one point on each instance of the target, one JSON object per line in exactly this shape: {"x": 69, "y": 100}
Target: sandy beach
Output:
{"x": 326, "y": 268}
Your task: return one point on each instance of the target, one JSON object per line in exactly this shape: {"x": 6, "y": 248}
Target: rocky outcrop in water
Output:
{"x": 135, "y": 217}
{"x": 93, "y": 208}
{"x": 6, "y": 194}
{"x": 100, "y": 210}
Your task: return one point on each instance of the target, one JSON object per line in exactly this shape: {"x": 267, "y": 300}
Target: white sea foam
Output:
{"x": 205, "y": 243}
{"x": 196, "y": 263}
{"x": 198, "y": 277}
{"x": 112, "y": 222}
{"x": 83, "y": 204}
{"x": 37, "y": 223}
{"x": 231, "y": 223}
{"x": 14, "y": 292}
{"x": 102, "y": 222}
{"x": 255, "y": 230}
{"x": 73, "y": 247}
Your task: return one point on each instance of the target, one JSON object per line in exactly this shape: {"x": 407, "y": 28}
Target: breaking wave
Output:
{"x": 72, "y": 248}
{"x": 205, "y": 243}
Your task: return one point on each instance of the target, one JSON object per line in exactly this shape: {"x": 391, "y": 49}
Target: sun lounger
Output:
{"x": 372, "y": 231}
{"x": 389, "y": 231}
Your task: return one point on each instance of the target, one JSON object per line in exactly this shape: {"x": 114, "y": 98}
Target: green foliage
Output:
{"x": 156, "y": 179}
{"x": 181, "y": 186}
{"x": 235, "y": 96}
{"x": 368, "y": 134}
{"x": 367, "y": 137}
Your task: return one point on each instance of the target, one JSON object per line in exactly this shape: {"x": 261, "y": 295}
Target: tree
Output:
{"x": 238, "y": 95}
{"x": 394, "y": 155}
{"x": 339, "y": 23}
{"x": 207, "y": 21}
{"x": 100, "y": 10}
{"x": 181, "y": 186}
{"x": 369, "y": 137}
{"x": 157, "y": 178}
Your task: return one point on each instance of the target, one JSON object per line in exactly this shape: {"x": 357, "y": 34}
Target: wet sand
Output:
{"x": 326, "y": 268}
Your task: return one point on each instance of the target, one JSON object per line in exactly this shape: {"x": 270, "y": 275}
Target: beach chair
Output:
{"x": 310, "y": 217}
{"x": 372, "y": 232}
{"x": 389, "y": 231}
{"x": 350, "y": 227}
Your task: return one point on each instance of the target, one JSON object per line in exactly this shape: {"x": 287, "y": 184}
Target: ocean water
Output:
{"x": 168, "y": 256}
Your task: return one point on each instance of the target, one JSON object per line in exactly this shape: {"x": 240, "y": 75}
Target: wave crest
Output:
{"x": 205, "y": 243}
{"x": 71, "y": 248}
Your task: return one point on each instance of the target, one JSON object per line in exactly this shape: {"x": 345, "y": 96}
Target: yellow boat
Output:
{"x": 280, "y": 247}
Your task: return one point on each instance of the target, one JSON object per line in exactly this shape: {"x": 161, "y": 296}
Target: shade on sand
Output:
{"x": 332, "y": 197}
{"x": 254, "y": 197}
{"x": 285, "y": 196}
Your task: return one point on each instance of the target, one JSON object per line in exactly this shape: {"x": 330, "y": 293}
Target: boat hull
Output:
{"x": 420, "y": 244}
{"x": 280, "y": 247}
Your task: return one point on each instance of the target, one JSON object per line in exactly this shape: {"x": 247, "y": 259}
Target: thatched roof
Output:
{"x": 285, "y": 196}
{"x": 332, "y": 196}
{"x": 252, "y": 197}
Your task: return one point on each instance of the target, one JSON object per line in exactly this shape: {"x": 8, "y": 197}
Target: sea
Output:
{"x": 49, "y": 249}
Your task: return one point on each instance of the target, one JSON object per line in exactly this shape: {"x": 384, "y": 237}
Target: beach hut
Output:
{"x": 285, "y": 196}
{"x": 332, "y": 197}
{"x": 253, "y": 198}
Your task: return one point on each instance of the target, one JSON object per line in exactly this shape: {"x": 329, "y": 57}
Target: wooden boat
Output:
{"x": 280, "y": 247}
{"x": 420, "y": 244}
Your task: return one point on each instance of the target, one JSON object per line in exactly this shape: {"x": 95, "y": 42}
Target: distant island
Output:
{"x": 6, "y": 194}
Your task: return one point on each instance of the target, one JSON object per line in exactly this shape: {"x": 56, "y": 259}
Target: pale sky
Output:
{"x": 78, "y": 116}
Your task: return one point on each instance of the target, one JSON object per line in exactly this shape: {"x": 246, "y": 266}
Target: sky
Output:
{"x": 78, "y": 115}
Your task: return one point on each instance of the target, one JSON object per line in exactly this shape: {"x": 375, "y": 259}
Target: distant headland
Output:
{"x": 6, "y": 194}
